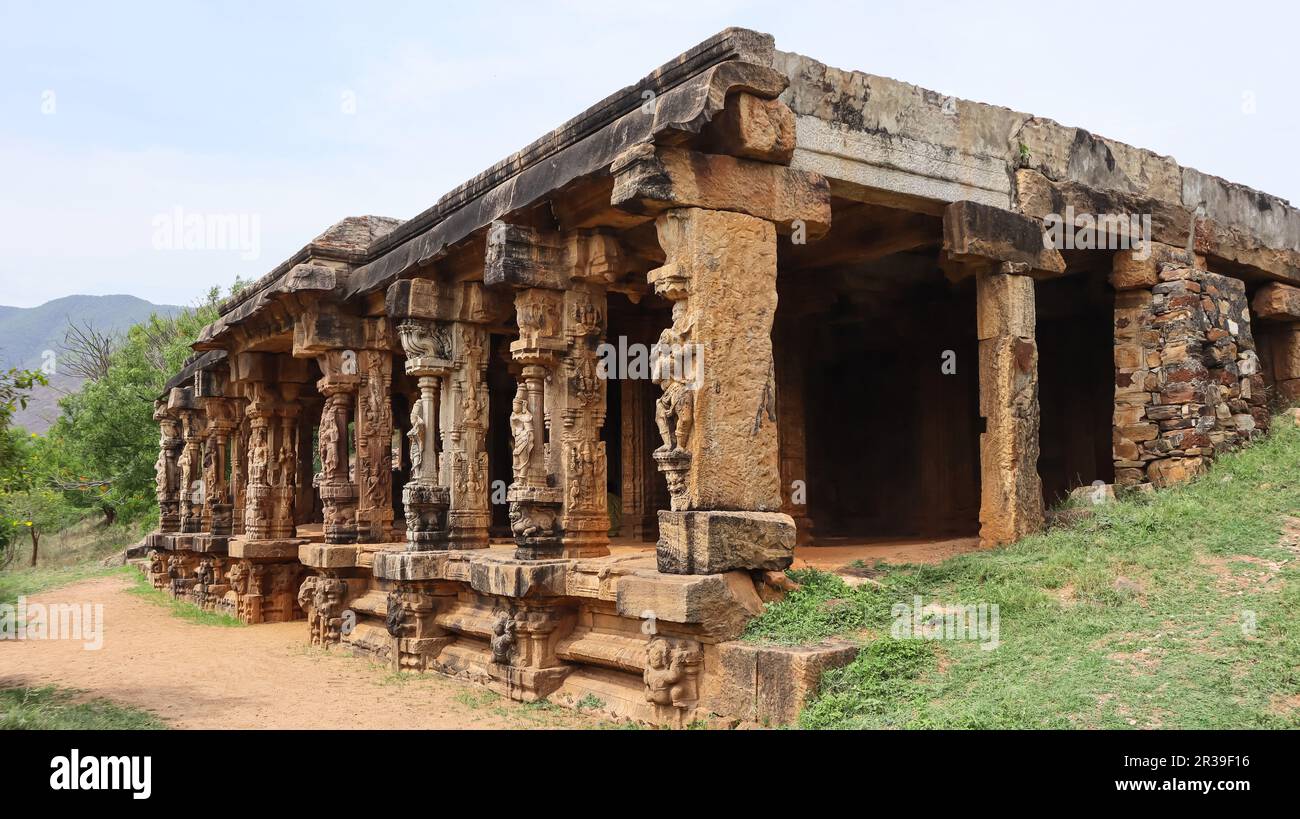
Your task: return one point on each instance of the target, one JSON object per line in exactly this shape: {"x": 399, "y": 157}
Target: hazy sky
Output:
{"x": 115, "y": 118}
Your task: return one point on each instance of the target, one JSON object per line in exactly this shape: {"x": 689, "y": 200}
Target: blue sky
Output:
{"x": 113, "y": 116}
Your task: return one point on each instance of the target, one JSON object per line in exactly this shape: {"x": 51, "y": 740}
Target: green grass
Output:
{"x": 1132, "y": 617}
{"x": 51, "y": 708}
{"x": 183, "y": 609}
{"x": 66, "y": 557}
{"x": 26, "y": 582}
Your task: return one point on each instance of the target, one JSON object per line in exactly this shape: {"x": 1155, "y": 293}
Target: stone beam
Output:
{"x": 1171, "y": 224}
{"x": 983, "y": 235}
{"x": 1277, "y": 302}
{"x": 653, "y": 179}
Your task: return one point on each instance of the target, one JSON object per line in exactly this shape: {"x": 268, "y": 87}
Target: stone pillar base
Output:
{"x": 716, "y": 542}
{"x": 426, "y": 516}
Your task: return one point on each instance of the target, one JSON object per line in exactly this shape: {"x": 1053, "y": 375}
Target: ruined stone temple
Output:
{"x": 560, "y": 433}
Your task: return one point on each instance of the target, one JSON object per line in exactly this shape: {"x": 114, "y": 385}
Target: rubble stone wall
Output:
{"x": 1187, "y": 377}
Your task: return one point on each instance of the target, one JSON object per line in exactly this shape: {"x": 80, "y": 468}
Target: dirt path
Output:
{"x": 265, "y": 676}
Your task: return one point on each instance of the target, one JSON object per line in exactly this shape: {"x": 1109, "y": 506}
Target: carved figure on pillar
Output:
{"x": 424, "y": 499}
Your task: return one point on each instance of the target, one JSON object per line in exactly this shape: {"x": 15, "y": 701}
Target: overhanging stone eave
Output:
{"x": 890, "y": 142}
{"x": 202, "y": 361}
{"x": 685, "y": 108}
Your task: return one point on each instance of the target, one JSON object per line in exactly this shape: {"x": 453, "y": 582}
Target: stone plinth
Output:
{"x": 713, "y": 542}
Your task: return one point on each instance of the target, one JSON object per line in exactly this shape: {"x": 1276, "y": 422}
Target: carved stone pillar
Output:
{"x": 578, "y": 408}
{"x": 238, "y": 467}
{"x": 374, "y": 431}
{"x": 166, "y": 472}
{"x": 535, "y": 500}
{"x": 190, "y": 461}
{"x": 717, "y": 415}
{"x": 272, "y": 463}
{"x": 338, "y": 493}
{"x": 464, "y": 436}
{"x": 447, "y": 339}
{"x": 217, "y": 499}
{"x": 285, "y": 490}
{"x": 425, "y": 498}
{"x": 560, "y": 304}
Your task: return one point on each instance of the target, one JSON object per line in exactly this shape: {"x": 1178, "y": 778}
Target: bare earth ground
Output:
{"x": 197, "y": 676}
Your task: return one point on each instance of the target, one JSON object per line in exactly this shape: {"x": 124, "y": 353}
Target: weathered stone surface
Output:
{"x": 1277, "y": 302}
{"x": 650, "y": 179}
{"x": 286, "y": 549}
{"x": 977, "y": 232}
{"x": 721, "y": 269}
{"x": 714, "y": 542}
{"x": 327, "y": 556}
{"x": 720, "y": 603}
{"x": 1131, "y": 270}
{"x": 753, "y": 128}
{"x": 1186, "y": 373}
{"x": 1005, "y": 306}
{"x": 770, "y": 685}
{"x": 1011, "y": 503}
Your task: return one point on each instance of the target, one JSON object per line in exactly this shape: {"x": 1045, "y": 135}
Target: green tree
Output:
{"x": 104, "y": 444}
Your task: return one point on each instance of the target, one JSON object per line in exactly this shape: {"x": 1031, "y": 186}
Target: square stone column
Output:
{"x": 374, "y": 430}
{"x": 717, "y": 414}
{"x": 464, "y": 417}
{"x": 1011, "y": 493}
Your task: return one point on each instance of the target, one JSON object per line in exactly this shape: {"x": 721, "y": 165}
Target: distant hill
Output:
{"x": 27, "y": 332}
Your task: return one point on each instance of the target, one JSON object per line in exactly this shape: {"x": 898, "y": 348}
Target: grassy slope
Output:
{"x": 51, "y": 708}
{"x": 1133, "y": 617}
{"x": 66, "y": 557}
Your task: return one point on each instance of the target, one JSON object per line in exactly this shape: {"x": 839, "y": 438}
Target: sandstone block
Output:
{"x": 652, "y": 179}
{"x": 715, "y": 542}
{"x": 1133, "y": 269}
{"x": 1004, "y": 306}
{"x": 1278, "y": 302}
{"x": 751, "y": 127}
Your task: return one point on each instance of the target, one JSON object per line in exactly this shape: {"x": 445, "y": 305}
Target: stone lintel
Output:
{"x": 523, "y": 257}
{"x": 976, "y": 233}
{"x": 268, "y": 368}
{"x": 324, "y": 327}
{"x": 1277, "y": 302}
{"x": 286, "y": 549}
{"x": 328, "y": 555}
{"x": 651, "y": 179}
{"x": 714, "y": 542}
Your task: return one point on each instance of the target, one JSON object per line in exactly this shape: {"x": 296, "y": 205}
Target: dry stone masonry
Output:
{"x": 560, "y": 434}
